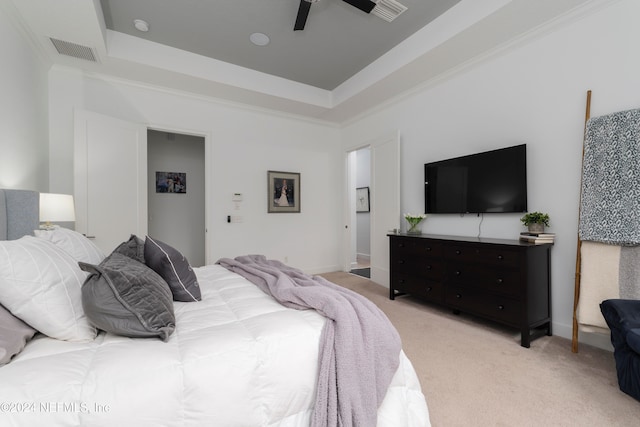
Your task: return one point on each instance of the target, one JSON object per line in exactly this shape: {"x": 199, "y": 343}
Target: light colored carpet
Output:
{"x": 475, "y": 373}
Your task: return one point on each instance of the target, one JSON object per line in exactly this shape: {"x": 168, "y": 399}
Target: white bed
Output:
{"x": 235, "y": 358}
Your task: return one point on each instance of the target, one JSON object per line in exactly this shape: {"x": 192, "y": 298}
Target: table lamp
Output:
{"x": 56, "y": 208}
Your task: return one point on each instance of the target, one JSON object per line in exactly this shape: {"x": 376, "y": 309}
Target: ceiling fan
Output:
{"x": 305, "y": 5}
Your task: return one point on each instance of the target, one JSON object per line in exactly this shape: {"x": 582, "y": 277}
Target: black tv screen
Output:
{"x": 493, "y": 181}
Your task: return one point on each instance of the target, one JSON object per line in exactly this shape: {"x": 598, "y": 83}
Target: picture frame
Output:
{"x": 362, "y": 200}
{"x": 171, "y": 182}
{"x": 287, "y": 201}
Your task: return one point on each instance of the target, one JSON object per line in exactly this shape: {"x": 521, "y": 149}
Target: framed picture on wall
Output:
{"x": 283, "y": 192}
{"x": 362, "y": 199}
{"x": 171, "y": 182}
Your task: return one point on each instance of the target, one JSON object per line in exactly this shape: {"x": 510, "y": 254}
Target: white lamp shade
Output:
{"x": 56, "y": 208}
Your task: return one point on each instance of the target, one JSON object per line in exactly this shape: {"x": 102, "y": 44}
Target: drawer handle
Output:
{"x": 428, "y": 248}
{"x": 500, "y": 257}
{"x": 428, "y": 267}
{"x": 401, "y": 261}
{"x": 457, "y": 273}
{"x": 429, "y": 289}
{"x": 501, "y": 307}
{"x": 458, "y": 296}
{"x": 401, "y": 245}
{"x": 402, "y": 280}
{"x": 499, "y": 281}
{"x": 458, "y": 252}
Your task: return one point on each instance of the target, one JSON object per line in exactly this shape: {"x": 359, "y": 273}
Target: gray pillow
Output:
{"x": 174, "y": 268}
{"x": 133, "y": 248}
{"x": 125, "y": 297}
{"x": 14, "y": 335}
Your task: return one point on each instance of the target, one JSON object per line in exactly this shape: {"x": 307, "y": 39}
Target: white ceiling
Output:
{"x": 343, "y": 63}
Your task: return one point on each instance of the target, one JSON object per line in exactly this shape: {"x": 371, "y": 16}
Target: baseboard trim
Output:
{"x": 594, "y": 339}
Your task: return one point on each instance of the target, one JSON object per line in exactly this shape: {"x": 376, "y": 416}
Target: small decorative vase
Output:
{"x": 415, "y": 227}
{"x": 536, "y": 227}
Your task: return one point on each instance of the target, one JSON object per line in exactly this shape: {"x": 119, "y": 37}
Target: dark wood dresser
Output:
{"x": 506, "y": 281}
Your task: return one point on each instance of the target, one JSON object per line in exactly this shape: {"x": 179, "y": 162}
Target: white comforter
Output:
{"x": 237, "y": 358}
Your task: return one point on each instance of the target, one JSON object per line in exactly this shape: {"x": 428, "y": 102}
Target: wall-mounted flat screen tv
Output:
{"x": 493, "y": 181}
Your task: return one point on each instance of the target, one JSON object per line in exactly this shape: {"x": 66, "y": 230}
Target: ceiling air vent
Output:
{"x": 74, "y": 50}
{"x": 388, "y": 9}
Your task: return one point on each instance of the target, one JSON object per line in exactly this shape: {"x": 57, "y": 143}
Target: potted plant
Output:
{"x": 414, "y": 222}
{"x": 536, "y": 221}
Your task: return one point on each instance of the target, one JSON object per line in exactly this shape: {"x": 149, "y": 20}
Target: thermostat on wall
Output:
{"x": 237, "y": 197}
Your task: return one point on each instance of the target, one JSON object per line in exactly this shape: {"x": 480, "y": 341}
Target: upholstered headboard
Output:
{"x": 19, "y": 213}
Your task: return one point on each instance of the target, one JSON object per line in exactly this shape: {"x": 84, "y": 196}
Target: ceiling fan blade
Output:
{"x": 364, "y": 5}
{"x": 303, "y": 12}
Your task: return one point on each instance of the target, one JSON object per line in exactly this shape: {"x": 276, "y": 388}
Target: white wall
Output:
{"x": 24, "y": 148}
{"x": 245, "y": 144}
{"x": 534, "y": 93}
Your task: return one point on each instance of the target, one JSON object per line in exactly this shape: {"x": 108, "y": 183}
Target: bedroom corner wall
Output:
{"x": 24, "y": 162}
{"x": 533, "y": 92}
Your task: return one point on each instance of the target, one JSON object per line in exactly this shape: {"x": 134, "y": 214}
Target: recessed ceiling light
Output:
{"x": 259, "y": 39}
{"x": 141, "y": 25}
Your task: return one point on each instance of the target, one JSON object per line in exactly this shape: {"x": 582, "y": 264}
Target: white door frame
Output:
{"x": 208, "y": 161}
{"x": 350, "y": 221}
{"x": 349, "y": 201}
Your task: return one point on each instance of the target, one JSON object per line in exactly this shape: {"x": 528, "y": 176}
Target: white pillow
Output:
{"x": 73, "y": 243}
{"x": 41, "y": 284}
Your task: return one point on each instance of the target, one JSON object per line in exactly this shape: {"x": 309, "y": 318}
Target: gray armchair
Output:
{"x": 623, "y": 318}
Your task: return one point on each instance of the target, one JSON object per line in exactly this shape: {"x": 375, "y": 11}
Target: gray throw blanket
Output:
{"x": 359, "y": 348}
{"x": 629, "y": 272}
{"x": 610, "y": 203}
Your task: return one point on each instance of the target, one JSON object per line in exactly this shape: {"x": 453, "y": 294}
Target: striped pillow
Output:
{"x": 174, "y": 268}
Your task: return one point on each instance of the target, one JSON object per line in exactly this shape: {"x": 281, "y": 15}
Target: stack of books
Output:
{"x": 537, "y": 238}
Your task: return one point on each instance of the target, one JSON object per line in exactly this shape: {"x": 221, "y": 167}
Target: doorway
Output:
{"x": 384, "y": 215}
{"x": 176, "y": 192}
{"x": 362, "y": 165}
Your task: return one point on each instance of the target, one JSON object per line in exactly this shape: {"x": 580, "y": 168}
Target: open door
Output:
{"x": 110, "y": 162}
{"x": 385, "y": 203}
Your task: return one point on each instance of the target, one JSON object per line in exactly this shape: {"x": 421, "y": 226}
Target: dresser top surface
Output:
{"x": 487, "y": 240}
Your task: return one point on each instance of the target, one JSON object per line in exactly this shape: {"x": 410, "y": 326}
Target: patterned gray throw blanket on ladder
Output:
{"x": 610, "y": 203}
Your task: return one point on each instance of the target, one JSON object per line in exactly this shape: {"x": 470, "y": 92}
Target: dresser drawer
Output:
{"x": 418, "y": 247}
{"x": 415, "y": 265}
{"x": 482, "y": 254}
{"x": 419, "y": 287}
{"x": 432, "y": 268}
{"x": 499, "y": 280}
{"x": 496, "y": 307}
{"x": 427, "y": 267}
{"x": 421, "y": 257}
